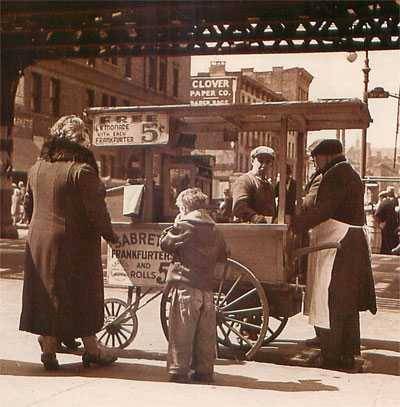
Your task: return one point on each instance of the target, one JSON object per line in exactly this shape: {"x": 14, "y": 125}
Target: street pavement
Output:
{"x": 278, "y": 375}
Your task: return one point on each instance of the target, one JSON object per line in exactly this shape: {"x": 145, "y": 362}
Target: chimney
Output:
{"x": 217, "y": 68}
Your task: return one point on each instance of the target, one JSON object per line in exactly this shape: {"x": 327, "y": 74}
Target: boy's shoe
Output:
{"x": 178, "y": 378}
{"x": 202, "y": 377}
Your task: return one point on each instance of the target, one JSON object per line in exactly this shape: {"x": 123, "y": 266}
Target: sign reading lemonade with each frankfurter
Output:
{"x": 130, "y": 129}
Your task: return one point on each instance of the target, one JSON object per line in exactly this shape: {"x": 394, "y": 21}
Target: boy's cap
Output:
{"x": 328, "y": 146}
{"x": 262, "y": 150}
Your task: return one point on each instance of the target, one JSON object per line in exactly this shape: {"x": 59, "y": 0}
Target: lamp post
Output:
{"x": 351, "y": 57}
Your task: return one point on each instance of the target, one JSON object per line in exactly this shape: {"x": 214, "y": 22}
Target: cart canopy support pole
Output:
{"x": 149, "y": 188}
{"x": 299, "y": 170}
{"x": 282, "y": 169}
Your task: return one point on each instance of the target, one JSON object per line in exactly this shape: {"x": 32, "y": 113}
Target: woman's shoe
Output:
{"x": 50, "y": 361}
{"x": 70, "y": 344}
{"x": 102, "y": 359}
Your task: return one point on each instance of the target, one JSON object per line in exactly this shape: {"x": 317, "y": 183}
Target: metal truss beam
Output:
{"x": 47, "y": 30}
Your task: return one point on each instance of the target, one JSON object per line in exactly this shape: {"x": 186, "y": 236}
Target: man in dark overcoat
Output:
{"x": 253, "y": 195}
{"x": 340, "y": 284}
{"x": 63, "y": 294}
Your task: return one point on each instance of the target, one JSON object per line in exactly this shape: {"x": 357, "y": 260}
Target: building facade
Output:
{"x": 232, "y": 152}
{"x": 50, "y": 89}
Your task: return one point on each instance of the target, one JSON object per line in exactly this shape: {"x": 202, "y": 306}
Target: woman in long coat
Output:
{"x": 63, "y": 291}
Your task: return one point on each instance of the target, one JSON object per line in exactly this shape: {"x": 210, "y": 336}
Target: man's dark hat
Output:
{"x": 328, "y": 146}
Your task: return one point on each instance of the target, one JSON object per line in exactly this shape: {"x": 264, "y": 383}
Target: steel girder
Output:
{"x": 83, "y": 29}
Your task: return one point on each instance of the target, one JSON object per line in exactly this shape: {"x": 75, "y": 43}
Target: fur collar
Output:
{"x": 62, "y": 149}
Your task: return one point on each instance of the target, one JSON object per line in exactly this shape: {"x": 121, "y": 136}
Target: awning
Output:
{"x": 326, "y": 114}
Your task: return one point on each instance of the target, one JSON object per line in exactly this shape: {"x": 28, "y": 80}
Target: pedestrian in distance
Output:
{"x": 388, "y": 221}
{"x": 15, "y": 204}
{"x": 63, "y": 293}
{"x": 196, "y": 246}
{"x": 339, "y": 284}
{"x": 253, "y": 195}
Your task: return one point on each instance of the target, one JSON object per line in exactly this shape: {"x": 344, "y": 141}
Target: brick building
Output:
{"x": 50, "y": 89}
{"x": 232, "y": 151}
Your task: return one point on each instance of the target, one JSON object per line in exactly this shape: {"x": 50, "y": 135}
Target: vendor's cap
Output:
{"x": 328, "y": 146}
{"x": 262, "y": 150}
{"x": 72, "y": 128}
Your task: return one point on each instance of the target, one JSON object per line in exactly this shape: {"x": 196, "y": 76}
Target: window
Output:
{"x": 153, "y": 73}
{"x": 163, "y": 75}
{"x": 55, "y": 96}
{"x": 19, "y": 96}
{"x": 36, "y": 92}
{"x": 113, "y": 101}
{"x": 128, "y": 68}
{"x": 90, "y": 95}
{"x": 175, "y": 80}
{"x": 112, "y": 166}
{"x": 105, "y": 99}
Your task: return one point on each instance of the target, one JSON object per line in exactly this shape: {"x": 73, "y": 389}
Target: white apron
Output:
{"x": 319, "y": 272}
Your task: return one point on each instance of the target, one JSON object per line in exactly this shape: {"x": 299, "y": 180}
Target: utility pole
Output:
{"x": 397, "y": 132}
{"x": 366, "y": 71}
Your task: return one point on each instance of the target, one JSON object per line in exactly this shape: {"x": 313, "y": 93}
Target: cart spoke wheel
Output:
{"x": 117, "y": 333}
{"x": 275, "y": 327}
{"x": 242, "y": 309}
{"x": 165, "y": 305}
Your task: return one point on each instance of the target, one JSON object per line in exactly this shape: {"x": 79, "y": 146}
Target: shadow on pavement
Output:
{"x": 147, "y": 355}
{"x": 381, "y": 357}
{"x": 141, "y": 372}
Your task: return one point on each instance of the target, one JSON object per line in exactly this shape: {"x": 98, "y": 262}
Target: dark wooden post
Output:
{"x": 282, "y": 169}
{"x": 149, "y": 186}
{"x": 11, "y": 70}
{"x": 300, "y": 164}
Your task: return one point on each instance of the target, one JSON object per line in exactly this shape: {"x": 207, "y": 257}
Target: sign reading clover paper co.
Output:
{"x": 212, "y": 90}
{"x": 130, "y": 129}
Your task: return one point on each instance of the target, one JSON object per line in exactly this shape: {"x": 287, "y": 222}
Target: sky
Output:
{"x": 334, "y": 77}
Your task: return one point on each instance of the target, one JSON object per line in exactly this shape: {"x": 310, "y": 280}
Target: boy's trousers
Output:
{"x": 192, "y": 331}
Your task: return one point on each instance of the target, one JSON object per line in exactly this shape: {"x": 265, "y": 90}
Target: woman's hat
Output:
{"x": 73, "y": 129}
{"x": 328, "y": 146}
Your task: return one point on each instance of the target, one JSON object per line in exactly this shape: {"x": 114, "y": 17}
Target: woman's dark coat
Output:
{"x": 63, "y": 283}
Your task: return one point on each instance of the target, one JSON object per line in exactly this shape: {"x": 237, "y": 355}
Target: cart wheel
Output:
{"x": 242, "y": 310}
{"x": 120, "y": 324}
{"x": 165, "y": 306}
{"x": 275, "y": 327}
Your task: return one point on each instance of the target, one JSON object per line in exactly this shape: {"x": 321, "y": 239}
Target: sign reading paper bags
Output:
{"x": 137, "y": 258}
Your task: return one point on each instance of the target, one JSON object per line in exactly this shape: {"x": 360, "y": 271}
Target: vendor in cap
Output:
{"x": 339, "y": 283}
{"x": 253, "y": 195}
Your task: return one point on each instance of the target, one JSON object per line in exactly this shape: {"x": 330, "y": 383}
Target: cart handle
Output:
{"x": 304, "y": 251}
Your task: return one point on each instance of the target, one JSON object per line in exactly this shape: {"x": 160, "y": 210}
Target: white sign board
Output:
{"x": 137, "y": 258}
{"x": 206, "y": 90}
{"x": 130, "y": 129}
